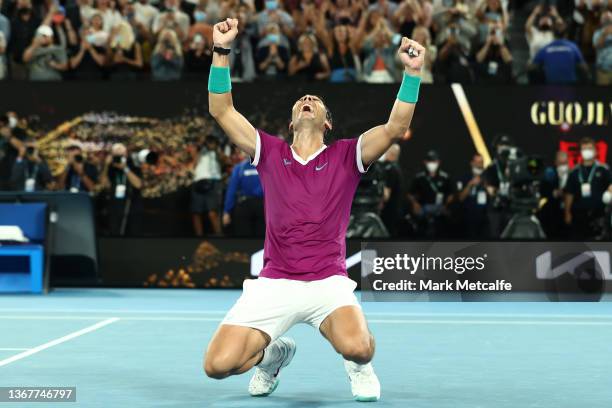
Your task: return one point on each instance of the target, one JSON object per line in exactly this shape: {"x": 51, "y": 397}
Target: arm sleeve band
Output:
{"x": 219, "y": 80}
{"x": 409, "y": 91}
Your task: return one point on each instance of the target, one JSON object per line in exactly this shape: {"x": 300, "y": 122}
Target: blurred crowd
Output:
{"x": 123, "y": 161}
{"x": 468, "y": 41}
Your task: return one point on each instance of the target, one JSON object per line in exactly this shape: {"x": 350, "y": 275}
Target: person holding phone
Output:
{"x": 494, "y": 60}
{"x": 272, "y": 55}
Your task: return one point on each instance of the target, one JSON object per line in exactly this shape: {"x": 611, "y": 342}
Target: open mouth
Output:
{"x": 307, "y": 108}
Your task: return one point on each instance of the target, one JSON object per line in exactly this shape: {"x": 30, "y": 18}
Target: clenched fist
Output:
{"x": 412, "y": 55}
{"x": 225, "y": 32}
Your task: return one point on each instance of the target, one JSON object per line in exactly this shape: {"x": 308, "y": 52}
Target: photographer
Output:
{"x": 497, "y": 184}
{"x": 30, "y": 172}
{"x": 430, "y": 194}
{"x": 494, "y": 60}
{"x": 586, "y": 194}
{"x": 207, "y": 188}
{"x": 474, "y": 198}
{"x": 11, "y": 143}
{"x": 123, "y": 181}
{"x": 167, "y": 59}
{"x": 78, "y": 176}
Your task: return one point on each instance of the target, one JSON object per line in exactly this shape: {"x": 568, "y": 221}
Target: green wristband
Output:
{"x": 409, "y": 91}
{"x": 219, "y": 80}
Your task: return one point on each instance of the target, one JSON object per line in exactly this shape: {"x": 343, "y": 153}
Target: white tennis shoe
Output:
{"x": 277, "y": 356}
{"x": 364, "y": 382}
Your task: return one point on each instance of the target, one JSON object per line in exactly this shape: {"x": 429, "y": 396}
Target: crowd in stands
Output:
{"x": 468, "y": 41}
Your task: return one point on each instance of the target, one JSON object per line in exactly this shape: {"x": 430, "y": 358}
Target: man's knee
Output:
{"x": 220, "y": 365}
{"x": 359, "y": 351}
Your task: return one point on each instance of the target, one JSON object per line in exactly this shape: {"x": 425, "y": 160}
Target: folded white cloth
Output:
{"x": 12, "y": 233}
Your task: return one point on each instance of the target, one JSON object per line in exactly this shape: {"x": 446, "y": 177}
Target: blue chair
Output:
{"x": 22, "y": 265}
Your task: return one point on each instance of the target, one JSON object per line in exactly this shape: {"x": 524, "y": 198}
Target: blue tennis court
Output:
{"x": 143, "y": 348}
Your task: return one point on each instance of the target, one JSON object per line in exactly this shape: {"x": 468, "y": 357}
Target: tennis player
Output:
{"x": 308, "y": 189}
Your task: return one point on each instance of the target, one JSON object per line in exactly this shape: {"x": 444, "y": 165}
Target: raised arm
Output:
{"x": 220, "y": 104}
{"x": 377, "y": 140}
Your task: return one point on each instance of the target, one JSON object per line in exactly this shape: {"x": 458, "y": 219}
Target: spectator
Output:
{"x": 167, "y": 60}
{"x": 584, "y": 194}
{"x": 172, "y": 18}
{"x": 587, "y": 15}
{"x": 347, "y": 12}
{"x": 5, "y": 27}
{"x": 123, "y": 181}
{"x": 392, "y": 210}
{"x": 343, "y": 54}
{"x": 602, "y": 42}
{"x": 11, "y": 143}
{"x": 385, "y": 7}
{"x": 23, "y": 29}
{"x": 551, "y": 188}
{"x": 541, "y": 34}
{"x": 244, "y": 199}
{"x": 3, "y": 62}
{"x": 78, "y": 175}
{"x": 85, "y": 10}
{"x": 198, "y": 58}
{"x": 207, "y": 188}
{"x": 201, "y": 24}
{"x": 407, "y": 17}
{"x": 494, "y": 60}
{"x": 453, "y": 63}
{"x": 309, "y": 63}
{"x": 273, "y": 13}
{"x": 30, "y": 172}
{"x": 63, "y": 32}
{"x": 145, "y": 14}
{"x": 379, "y": 49}
{"x": 491, "y": 11}
{"x": 110, "y": 16}
{"x": 430, "y": 193}
{"x": 272, "y": 53}
{"x": 421, "y": 35}
{"x": 242, "y": 60}
{"x": 473, "y": 198}
{"x": 45, "y": 60}
{"x": 124, "y": 53}
{"x": 560, "y": 60}
{"x": 90, "y": 60}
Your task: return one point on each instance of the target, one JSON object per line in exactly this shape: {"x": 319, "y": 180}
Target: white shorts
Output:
{"x": 275, "y": 305}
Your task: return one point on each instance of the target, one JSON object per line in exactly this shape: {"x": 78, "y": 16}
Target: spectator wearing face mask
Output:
{"x": 587, "y": 192}
{"x": 560, "y": 60}
{"x": 492, "y": 10}
{"x": 539, "y": 29}
{"x": 30, "y": 172}
{"x": 273, "y": 13}
{"x": 23, "y": 29}
{"x": 45, "y": 60}
{"x": 392, "y": 211}
{"x": 124, "y": 54}
{"x": 602, "y": 42}
{"x": 552, "y": 186}
{"x": 198, "y": 58}
{"x": 453, "y": 63}
{"x": 494, "y": 60}
{"x": 472, "y": 194}
{"x": 78, "y": 175}
{"x": 201, "y": 24}
{"x": 64, "y": 34}
{"x": 242, "y": 60}
{"x": 122, "y": 180}
{"x": 430, "y": 194}
{"x": 167, "y": 60}
{"x": 89, "y": 63}
{"x": 272, "y": 56}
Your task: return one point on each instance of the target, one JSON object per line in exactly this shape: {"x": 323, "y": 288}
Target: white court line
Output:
{"x": 60, "y": 340}
{"x": 13, "y": 349}
{"x": 381, "y": 321}
{"x": 400, "y": 314}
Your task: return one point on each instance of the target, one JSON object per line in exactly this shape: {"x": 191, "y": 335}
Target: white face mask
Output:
{"x": 562, "y": 169}
{"x": 12, "y": 122}
{"x": 477, "y": 171}
{"x": 432, "y": 167}
{"x": 587, "y": 154}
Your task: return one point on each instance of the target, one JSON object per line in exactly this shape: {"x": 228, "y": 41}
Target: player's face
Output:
{"x": 309, "y": 107}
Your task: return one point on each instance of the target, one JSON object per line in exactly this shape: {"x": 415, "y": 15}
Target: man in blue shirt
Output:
{"x": 245, "y": 197}
{"x": 560, "y": 59}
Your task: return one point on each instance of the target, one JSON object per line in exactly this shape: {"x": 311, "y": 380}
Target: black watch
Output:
{"x": 221, "y": 50}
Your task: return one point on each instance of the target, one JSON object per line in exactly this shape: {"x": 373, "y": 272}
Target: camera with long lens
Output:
{"x": 365, "y": 219}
